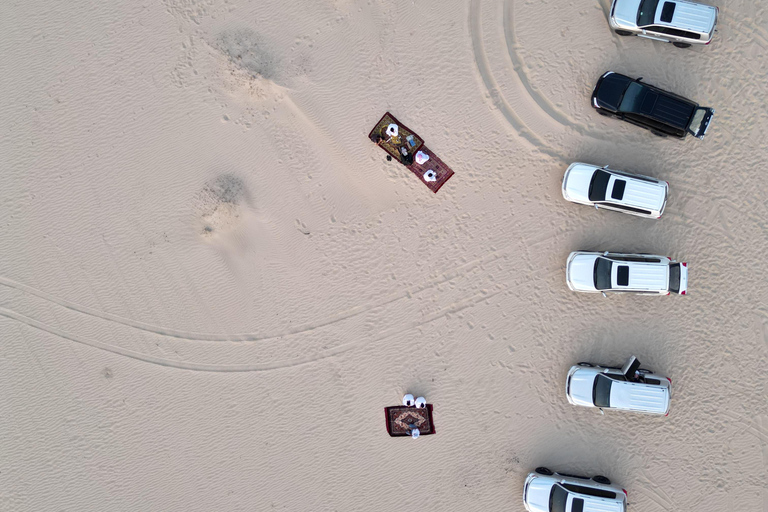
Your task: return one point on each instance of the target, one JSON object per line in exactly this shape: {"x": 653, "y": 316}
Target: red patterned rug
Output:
{"x": 401, "y": 419}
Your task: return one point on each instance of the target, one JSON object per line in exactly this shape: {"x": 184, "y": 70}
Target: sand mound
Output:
{"x": 219, "y": 205}
{"x": 248, "y": 51}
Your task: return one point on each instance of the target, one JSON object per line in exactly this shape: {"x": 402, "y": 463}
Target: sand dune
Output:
{"x": 212, "y": 283}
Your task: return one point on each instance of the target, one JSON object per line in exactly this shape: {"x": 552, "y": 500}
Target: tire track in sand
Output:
{"x": 247, "y": 337}
{"x": 494, "y": 92}
{"x": 456, "y": 307}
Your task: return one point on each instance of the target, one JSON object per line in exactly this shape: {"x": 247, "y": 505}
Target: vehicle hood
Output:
{"x": 580, "y": 272}
{"x": 637, "y": 396}
{"x": 689, "y": 16}
{"x": 582, "y": 383}
{"x": 537, "y": 497}
{"x": 625, "y": 12}
{"x": 576, "y": 181}
{"x": 609, "y": 90}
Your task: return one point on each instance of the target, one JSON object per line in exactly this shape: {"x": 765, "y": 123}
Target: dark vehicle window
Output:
{"x": 557, "y": 499}
{"x": 629, "y": 209}
{"x": 577, "y": 505}
{"x": 573, "y": 476}
{"x": 622, "y": 275}
{"x": 602, "y": 274}
{"x": 674, "y": 32}
{"x": 674, "y": 278}
{"x": 632, "y": 97}
{"x": 646, "y": 11}
{"x": 667, "y": 11}
{"x": 598, "y": 186}
{"x": 618, "y": 190}
{"x": 590, "y": 491}
{"x": 601, "y": 393}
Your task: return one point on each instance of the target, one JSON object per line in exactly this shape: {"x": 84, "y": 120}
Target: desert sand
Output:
{"x": 212, "y": 283}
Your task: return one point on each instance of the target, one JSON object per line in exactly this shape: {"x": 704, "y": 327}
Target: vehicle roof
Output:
{"x": 610, "y": 89}
{"x": 639, "y": 396}
{"x": 642, "y": 275}
{"x": 595, "y": 504}
{"x": 625, "y": 12}
{"x": 664, "y": 107}
{"x": 688, "y": 16}
{"x": 638, "y": 193}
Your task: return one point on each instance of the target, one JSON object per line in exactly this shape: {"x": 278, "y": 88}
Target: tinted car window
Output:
{"x": 632, "y": 98}
{"x": 602, "y": 274}
{"x": 577, "y": 505}
{"x": 590, "y": 491}
{"x": 598, "y": 186}
{"x": 622, "y": 275}
{"x": 646, "y": 11}
{"x": 601, "y": 392}
{"x": 618, "y": 190}
{"x": 557, "y": 499}
{"x": 674, "y": 278}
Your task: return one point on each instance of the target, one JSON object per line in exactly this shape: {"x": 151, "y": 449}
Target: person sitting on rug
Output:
{"x": 415, "y": 433}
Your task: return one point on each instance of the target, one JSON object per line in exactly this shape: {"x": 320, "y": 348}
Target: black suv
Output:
{"x": 642, "y": 104}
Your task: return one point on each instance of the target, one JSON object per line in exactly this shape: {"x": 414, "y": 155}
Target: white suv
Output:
{"x": 546, "y": 491}
{"x": 615, "y": 190}
{"x": 679, "y": 22}
{"x": 629, "y": 388}
{"x": 596, "y": 272}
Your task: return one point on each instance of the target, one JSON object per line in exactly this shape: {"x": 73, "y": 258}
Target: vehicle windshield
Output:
{"x": 557, "y": 499}
{"x": 646, "y": 11}
{"x": 695, "y": 125}
{"x": 674, "y": 278}
{"x": 601, "y": 393}
{"x": 631, "y": 99}
{"x": 602, "y": 274}
{"x": 598, "y": 186}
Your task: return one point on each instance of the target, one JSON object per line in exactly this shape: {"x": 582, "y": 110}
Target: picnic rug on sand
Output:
{"x": 400, "y": 420}
{"x": 404, "y": 146}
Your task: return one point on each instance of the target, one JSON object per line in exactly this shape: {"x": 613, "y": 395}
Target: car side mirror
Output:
{"x": 597, "y": 207}
{"x": 601, "y": 411}
{"x": 604, "y": 295}
{"x": 605, "y": 253}
{"x": 639, "y": 79}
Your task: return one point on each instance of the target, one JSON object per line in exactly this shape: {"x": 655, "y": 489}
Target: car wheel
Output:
{"x": 544, "y": 471}
{"x": 622, "y": 33}
{"x": 604, "y": 113}
{"x": 682, "y": 45}
{"x": 588, "y": 365}
{"x": 601, "y": 480}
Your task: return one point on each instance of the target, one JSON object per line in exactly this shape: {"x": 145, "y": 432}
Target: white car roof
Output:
{"x": 688, "y": 16}
{"x": 639, "y": 396}
{"x": 642, "y": 276}
{"x": 637, "y": 193}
